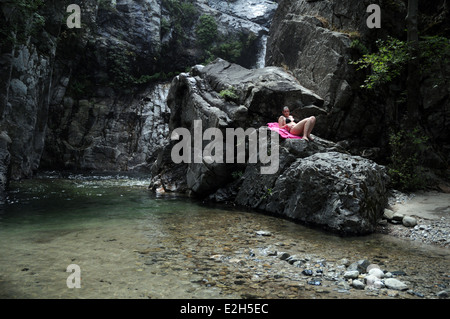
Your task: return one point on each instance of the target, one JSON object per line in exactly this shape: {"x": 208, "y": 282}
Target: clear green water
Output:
{"x": 129, "y": 243}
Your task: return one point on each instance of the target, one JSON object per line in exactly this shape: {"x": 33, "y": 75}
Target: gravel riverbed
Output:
{"x": 417, "y": 225}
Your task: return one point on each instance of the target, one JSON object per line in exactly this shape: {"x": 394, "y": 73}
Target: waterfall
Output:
{"x": 261, "y": 55}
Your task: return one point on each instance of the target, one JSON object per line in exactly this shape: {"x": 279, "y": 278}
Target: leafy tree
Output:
{"x": 206, "y": 30}
{"x": 393, "y": 56}
{"x": 386, "y": 64}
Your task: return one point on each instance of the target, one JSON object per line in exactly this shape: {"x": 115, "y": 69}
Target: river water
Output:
{"x": 130, "y": 243}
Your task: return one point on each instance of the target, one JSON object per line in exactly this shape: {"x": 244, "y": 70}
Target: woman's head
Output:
{"x": 285, "y": 110}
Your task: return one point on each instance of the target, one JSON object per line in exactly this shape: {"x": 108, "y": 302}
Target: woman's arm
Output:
{"x": 282, "y": 122}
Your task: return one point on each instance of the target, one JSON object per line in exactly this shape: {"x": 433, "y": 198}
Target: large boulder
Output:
{"x": 259, "y": 97}
{"x": 342, "y": 193}
{"x": 315, "y": 182}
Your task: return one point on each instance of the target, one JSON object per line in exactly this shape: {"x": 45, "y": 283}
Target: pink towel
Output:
{"x": 283, "y": 132}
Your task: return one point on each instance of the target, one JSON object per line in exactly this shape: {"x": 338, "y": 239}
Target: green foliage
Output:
{"x": 23, "y": 20}
{"x": 182, "y": 20}
{"x": 165, "y": 26}
{"x": 393, "y": 55}
{"x": 78, "y": 87}
{"x": 232, "y": 48}
{"x": 229, "y": 51}
{"x": 229, "y": 94}
{"x": 206, "y": 30}
{"x": 184, "y": 10}
{"x": 435, "y": 58}
{"x": 386, "y": 64}
{"x": 158, "y": 76}
{"x": 359, "y": 46}
{"x": 183, "y": 15}
{"x": 120, "y": 67}
{"x": 267, "y": 194}
{"x": 404, "y": 169}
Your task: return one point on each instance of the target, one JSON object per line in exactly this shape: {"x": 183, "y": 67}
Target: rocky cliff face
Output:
{"x": 27, "y": 57}
{"x": 315, "y": 40}
{"x": 88, "y": 98}
{"x": 5, "y": 156}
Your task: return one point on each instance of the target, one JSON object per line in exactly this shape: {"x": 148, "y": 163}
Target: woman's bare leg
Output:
{"x": 304, "y": 127}
{"x": 309, "y": 127}
{"x": 299, "y": 128}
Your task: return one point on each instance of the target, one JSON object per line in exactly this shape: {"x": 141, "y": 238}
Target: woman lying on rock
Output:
{"x": 302, "y": 128}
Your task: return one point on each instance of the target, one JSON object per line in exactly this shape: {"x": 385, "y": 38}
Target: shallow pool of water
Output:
{"x": 130, "y": 243}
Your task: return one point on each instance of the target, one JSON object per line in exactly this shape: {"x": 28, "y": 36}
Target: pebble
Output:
{"x": 314, "y": 282}
{"x": 409, "y": 221}
{"x": 284, "y": 256}
{"x": 395, "y": 284}
{"x": 388, "y": 214}
{"x": 372, "y": 266}
{"x": 376, "y": 272}
{"x": 360, "y": 265}
{"x": 370, "y": 279}
{"x": 307, "y": 272}
{"x": 415, "y": 293}
{"x": 351, "y": 274}
{"x": 343, "y": 284}
{"x": 263, "y": 233}
{"x": 378, "y": 284}
{"x": 283, "y": 263}
{"x": 292, "y": 259}
{"x": 344, "y": 262}
{"x": 398, "y": 273}
{"x": 358, "y": 284}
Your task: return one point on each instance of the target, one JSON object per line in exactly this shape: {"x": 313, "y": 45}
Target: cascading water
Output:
{"x": 259, "y": 13}
{"x": 261, "y": 56}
